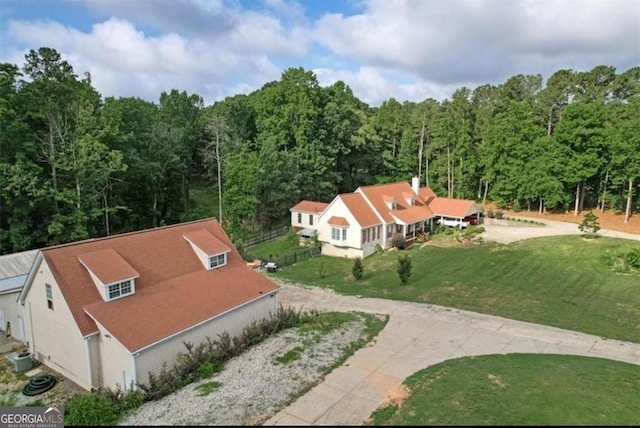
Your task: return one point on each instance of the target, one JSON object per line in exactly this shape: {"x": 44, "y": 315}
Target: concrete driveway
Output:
{"x": 420, "y": 335}
{"x": 417, "y": 336}
{"x": 509, "y": 231}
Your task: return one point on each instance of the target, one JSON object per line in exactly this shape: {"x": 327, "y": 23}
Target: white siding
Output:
{"x": 354, "y": 237}
{"x": 53, "y": 335}
{"x": 93, "y": 342}
{"x": 305, "y": 223}
{"x": 151, "y": 359}
{"x": 116, "y": 362}
{"x": 11, "y": 310}
{"x": 330, "y": 250}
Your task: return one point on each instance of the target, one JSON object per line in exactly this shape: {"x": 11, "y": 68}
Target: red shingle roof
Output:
{"x": 174, "y": 291}
{"x": 208, "y": 243}
{"x": 360, "y": 209}
{"x": 459, "y": 208}
{"x": 310, "y": 207}
{"x": 108, "y": 266}
{"x": 412, "y": 214}
{"x": 380, "y": 193}
{"x": 338, "y": 221}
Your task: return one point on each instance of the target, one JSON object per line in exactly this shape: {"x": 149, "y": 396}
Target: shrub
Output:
{"x": 632, "y": 258}
{"x": 357, "y": 269}
{"x": 499, "y": 214}
{"x": 97, "y": 408}
{"x": 399, "y": 241}
{"x": 590, "y": 224}
{"x": 404, "y": 268}
{"x": 516, "y": 206}
{"x": 292, "y": 238}
{"x": 321, "y": 268}
{"x": 490, "y": 214}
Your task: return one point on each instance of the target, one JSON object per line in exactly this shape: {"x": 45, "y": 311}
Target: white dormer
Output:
{"x": 112, "y": 275}
{"x": 409, "y": 197}
{"x": 390, "y": 201}
{"x": 210, "y": 250}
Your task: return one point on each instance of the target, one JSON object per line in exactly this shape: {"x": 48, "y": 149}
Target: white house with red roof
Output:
{"x": 106, "y": 312}
{"x": 354, "y": 224}
{"x": 305, "y": 216}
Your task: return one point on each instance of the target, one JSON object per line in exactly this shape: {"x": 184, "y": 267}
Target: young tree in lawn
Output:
{"x": 404, "y": 268}
{"x": 590, "y": 225}
{"x": 356, "y": 269}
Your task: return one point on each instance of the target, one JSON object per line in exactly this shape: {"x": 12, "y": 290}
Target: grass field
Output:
{"x": 274, "y": 247}
{"x": 519, "y": 389}
{"x": 560, "y": 281}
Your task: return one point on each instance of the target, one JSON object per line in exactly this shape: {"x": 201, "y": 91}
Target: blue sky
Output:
{"x": 406, "y": 49}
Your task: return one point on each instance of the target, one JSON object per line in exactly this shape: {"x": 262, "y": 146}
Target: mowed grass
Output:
{"x": 273, "y": 248}
{"x": 559, "y": 281}
{"x": 519, "y": 389}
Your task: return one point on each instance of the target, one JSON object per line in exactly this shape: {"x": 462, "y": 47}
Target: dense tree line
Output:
{"x": 74, "y": 165}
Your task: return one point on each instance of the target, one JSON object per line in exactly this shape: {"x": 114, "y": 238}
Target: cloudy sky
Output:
{"x": 407, "y": 49}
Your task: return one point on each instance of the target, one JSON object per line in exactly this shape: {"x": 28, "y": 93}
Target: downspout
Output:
{"x": 32, "y": 344}
{"x": 135, "y": 371}
{"x": 89, "y": 365}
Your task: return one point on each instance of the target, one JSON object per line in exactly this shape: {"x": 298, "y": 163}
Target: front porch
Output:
{"x": 413, "y": 231}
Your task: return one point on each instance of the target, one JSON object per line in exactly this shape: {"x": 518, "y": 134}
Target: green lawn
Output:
{"x": 558, "y": 281}
{"x": 274, "y": 247}
{"x": 519, "y": 389}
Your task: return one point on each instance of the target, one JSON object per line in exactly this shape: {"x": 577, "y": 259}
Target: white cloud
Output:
{"x": 372, "y": 86}
{"x": 123, "y": 60}
{"x": 481, "y": 40}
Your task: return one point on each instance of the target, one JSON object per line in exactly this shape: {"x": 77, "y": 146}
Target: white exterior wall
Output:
{"x": 115, "y": 362}
{"x": 11, "y": 311}
{"x": 233, "y": 322}
{"x": 93, "y": 345}
{"x": 305, "y": 223}
{"x": 330, "y": 250}
{"x": 354, "y": 233}
{"x": 53, "y": 335}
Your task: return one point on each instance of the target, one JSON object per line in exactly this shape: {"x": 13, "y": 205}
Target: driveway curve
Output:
{"x": 508, "y": 231}
{"x": 418, "y": 336}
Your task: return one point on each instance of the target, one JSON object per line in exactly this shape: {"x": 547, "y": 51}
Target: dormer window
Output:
{"x": 112, "y": 275}
{"x": 211, "y": 251}
{"x": 408, "y": 197}
{"x": 390, "y": 201}
{"x": 120, "y": 289}
{"x": 217, "y": 261}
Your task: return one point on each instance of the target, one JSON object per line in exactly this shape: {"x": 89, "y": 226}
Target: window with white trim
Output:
{"x": 49, "y": 294}
{"x": 310, "y": 219}
{"x": 120, "y": 289}
{"x": 339, "y": 234}
{"x": 217, "y": 261}
{"x": 299, "y": 218}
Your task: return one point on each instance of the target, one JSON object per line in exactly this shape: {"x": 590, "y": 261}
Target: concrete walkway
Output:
{"x": 417, "y": 336}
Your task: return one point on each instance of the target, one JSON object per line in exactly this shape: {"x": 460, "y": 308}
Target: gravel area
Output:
{"x": 254, "y": 386}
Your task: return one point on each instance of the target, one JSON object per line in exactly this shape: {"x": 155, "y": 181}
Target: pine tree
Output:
{"x": 356, "y": 270}
{"x": 404, "y": 268}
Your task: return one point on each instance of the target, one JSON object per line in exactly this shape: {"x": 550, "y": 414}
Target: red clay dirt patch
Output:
{"x": 608, "y": 219}
{"x": 396, "y": 397}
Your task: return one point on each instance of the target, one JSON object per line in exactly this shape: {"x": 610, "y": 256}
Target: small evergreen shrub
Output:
{"x": 516, "y": 206}
{"x": 321, "y": 268}
{"x": 404, "y": 268}
{"x": 499, "y": 214}
{"x": 357, "y": 269}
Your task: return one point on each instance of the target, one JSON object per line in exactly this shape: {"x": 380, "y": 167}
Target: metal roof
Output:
{"x": 16, "y": 264}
